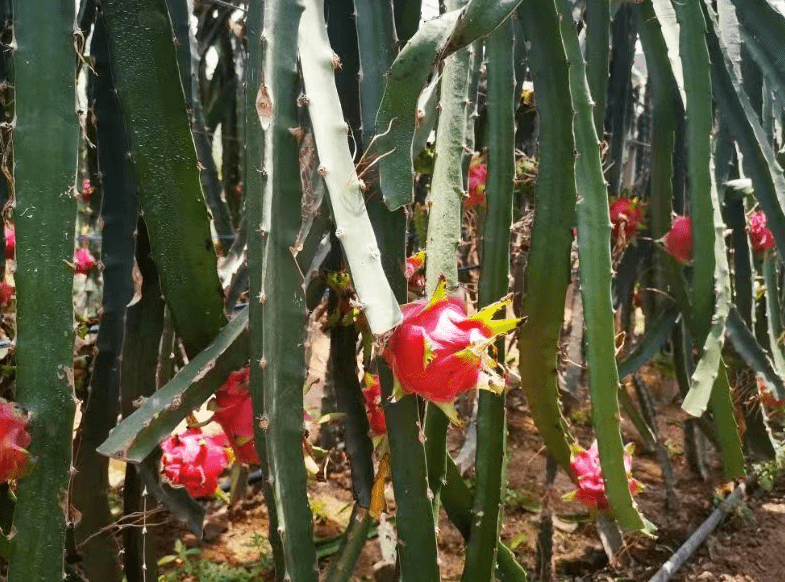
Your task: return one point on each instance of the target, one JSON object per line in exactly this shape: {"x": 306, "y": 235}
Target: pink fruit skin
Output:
{"x": 10, "y": 241}
{"x": 83, "y": 261}
{"x": 15, "y": 439}
{"x": 443, "y": 327}
{"x": 760, "y": 236}
{"x": 195, "y": 461}
{"x": 625, "y": 217}
{"x": 234, "y": 412}
{"x": 678, "y": 240}
{"x": 585, "y": 465}
{"x": 6, "y": 293}
{"x": 478, "y": 174}
{"x": 373, "y": 405}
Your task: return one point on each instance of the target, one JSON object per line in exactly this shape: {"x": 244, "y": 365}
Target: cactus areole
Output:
{"x": 438, "y": 351}
{"x": 15, "y": 439}
{"x": 195, "y": 461}
{"x": 234, "y": 412}
{"x": 678, "y": 240}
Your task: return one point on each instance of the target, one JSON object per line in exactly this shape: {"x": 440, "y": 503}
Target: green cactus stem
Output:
{"x": 727, "y": 429}
{"x": 414, "y": 523}
{"x": 759, "y": 159}
{"x": 45, "y": 149}
{"x": 444, "y": 223}
{"x": 760, "y": 20}
{"x": 138, "y": 435}
{"x": 143, "y": 328}
{"x": 352, "y": 225}
{"x": 598, "y": 27}
{"x": 594, "y": 233}
{"x": 494, "y": 283}
{"x": 189, "y": 75}
{"x": 434, "y": 41}
{"x": 407, "y": 18}
{"x": 277, "y": 315}
{"x": 548, "y": 268}
{"x": 657, "y": 333}
{"x": 752, "y": 353}
{"x": 162, "y": 149}
{"x": 458, "y": 501}
{"x": 119, "y": 212}
{"x": 342, "y": 567}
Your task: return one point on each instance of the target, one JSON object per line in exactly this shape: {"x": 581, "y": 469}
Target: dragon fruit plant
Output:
{"x": 373, "y": 404}
{"x": 478, "y": 174}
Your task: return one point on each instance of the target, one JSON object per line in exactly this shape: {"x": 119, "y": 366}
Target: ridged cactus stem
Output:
{"x": 407, "y": 17}
{"x": 143, "y": 328}
{"x": 415, "y": 526}
{"x": 162, "y": 148}
{"x": 548, "y": 268}
{"x": 414, "y": 521}
{"x": 277, "y": 319}
{"x": 119, "y": 212}
{"x": 494, "y": 283}
{"x": 448, "y": 186}
{"x": 697, "y": 86}
{"x": 598, "y": 32}
{"x": 45, "y": 149}
{"x": 594, "y": 233}
{"x": 352, "y": 225}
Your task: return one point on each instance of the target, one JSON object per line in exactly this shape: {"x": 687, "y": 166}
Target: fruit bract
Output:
{"x": 437, "y": 351}
{"x": 195, "y": 461}
{"x": 626, "y": 217}
{"x": 234, "y": 412}
{"x": 373, "y": 404}
{"x": 760, "y": 236}
{"x": 678, "y": 240}
{"x": 14, "y": 441}
{"x": 585, "y": 465}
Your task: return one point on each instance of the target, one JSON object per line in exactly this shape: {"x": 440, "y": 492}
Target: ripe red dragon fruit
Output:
{"x": 626, "y": 217}
{"x": 373, "y": 404}
{"x": 478, "y": 174}
{"x": 10, "y": 241}
{"x": 438, "y": 351}
{"x": 195, "y": 461}
{"x": 14, "y": 458}
{"x": 585, "y": 465}
{"x": 415, "y": 272}
{"x": 234, "y": 412}
{"x": 678, "y": 240}
{"x": 760, "y": 236}
{"x": 83, "y": 261}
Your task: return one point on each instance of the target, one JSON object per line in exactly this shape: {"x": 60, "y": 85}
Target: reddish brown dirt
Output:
{"x": 747, "y": 546}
